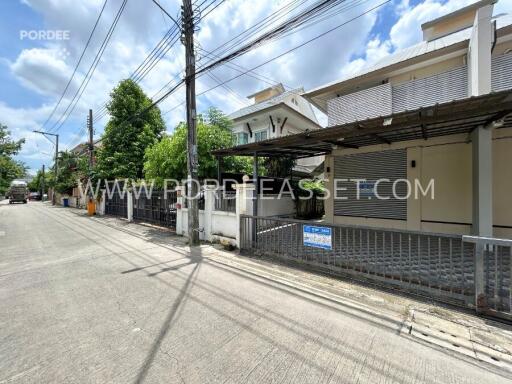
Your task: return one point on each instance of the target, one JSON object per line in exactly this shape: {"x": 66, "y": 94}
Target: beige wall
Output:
{"x": 447, "y": 160}
{"x": 449, "y": 26}
{"x": 429, "y": 70}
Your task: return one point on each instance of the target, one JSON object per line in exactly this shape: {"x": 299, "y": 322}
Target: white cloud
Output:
{"x": 142, "y": 26}
{"x": 42, "y": 70}
{"x": 407, "y": 30}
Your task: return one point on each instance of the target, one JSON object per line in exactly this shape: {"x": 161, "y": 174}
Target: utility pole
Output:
{"x": 190, "y": 82}
{"x": 91, "y": 143}
{"x": 56, "y": 164}
{"x": 42, "y": 184}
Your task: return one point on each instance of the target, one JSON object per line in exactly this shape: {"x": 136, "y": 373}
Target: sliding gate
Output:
{"x": 116, "y": 203}
{"x": 155, "y": 207}
{"x": 440, "y": 266}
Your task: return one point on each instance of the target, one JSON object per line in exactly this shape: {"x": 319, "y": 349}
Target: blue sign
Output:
{"x": 367, "y": 189}
{"x": 318, "y": 237}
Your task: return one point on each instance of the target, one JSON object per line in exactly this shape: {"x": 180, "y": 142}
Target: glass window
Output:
{"x": 261, "y": 135}
{"x": 241, "y": 138}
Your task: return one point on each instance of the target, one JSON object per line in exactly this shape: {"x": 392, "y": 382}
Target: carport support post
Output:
{"x": 482, "y": 205}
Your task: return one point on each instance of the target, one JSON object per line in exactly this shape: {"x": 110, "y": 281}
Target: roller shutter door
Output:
{"x": 373, "y": 166}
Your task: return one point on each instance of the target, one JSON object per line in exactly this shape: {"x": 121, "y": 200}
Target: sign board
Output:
{"x": 318, "y": 237}
{"x": 367, "y": 190}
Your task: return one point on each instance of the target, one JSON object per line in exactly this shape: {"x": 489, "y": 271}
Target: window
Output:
{"x": 261, "y": 135}
{"x": 241, "y": 138}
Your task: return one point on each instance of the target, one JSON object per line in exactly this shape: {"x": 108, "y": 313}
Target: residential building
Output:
{"x": 464, "y": 54}
{"x": 439, "y": 110}
{"x": 276, "y": 113}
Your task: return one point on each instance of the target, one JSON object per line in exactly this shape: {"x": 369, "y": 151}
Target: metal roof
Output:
{"x": 273, "y": 101}
{"x": 461, "y": 116}
{"x": 409, "y": 53}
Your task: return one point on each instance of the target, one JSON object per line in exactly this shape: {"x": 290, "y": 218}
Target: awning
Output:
{"x": 461, "y": 116}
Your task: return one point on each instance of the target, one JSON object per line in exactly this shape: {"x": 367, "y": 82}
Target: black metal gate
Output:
{"x": 155, "y": 207}
{"x": 116, "y": 203}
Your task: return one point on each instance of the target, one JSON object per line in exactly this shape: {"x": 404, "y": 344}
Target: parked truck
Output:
{"x": 18, "y": 192}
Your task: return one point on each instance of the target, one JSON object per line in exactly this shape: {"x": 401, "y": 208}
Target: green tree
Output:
{"x": 130, "y": 130}
{"x": 168, "y": 158}
{"x": 72, "y": 168}
{"x": 10, "y": 169}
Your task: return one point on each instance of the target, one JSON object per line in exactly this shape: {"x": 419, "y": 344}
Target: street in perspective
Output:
{"x": 230, "y": 191}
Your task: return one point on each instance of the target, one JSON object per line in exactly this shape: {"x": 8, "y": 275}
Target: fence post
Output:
{"x": 180, "y": 189}
{"x": 209, "y": 204}
{"x": 244, "y": 201}
{"x": 129, "y": 204}
{"x": 101, "y": 204}
{"x": 480, "y": 298}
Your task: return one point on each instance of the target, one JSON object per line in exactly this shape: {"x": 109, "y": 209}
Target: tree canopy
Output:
{"x": 10, "y": 169}
{"x": 71, "y": 169}
{"x": 128, "y": 133}
{"x": 168, "y": 158}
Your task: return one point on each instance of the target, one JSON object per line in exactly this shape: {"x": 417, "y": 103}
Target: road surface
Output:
{"x": 82, "y": 301}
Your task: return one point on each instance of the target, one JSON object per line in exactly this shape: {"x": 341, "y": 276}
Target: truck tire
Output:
{"x": 24, "y": 201}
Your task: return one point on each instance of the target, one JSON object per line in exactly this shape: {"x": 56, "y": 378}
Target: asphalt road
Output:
{"x": 81, "y": 301}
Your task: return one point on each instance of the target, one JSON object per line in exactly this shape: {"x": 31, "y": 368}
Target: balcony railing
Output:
{"x": 386, "y": 99}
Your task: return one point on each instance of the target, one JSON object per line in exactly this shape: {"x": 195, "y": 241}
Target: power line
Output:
{"x": 289, "y": 50}
{"x": 90, "y": 72}
{"x": 167, "y": 13}
{"x": 77, "y": 64}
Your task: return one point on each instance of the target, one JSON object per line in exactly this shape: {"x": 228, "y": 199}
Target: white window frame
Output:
{"x": 256, "y": 133}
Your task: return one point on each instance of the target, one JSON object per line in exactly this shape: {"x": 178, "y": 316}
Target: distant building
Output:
{"x": 276, "y": 113}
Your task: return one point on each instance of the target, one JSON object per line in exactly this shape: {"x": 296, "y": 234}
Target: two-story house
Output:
{"x": 465, "y": 54}
{"x": 439, "y": 111}
{"x": 274, "y": 113}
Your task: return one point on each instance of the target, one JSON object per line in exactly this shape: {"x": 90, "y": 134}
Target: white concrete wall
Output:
{"x": 270, "y": 205}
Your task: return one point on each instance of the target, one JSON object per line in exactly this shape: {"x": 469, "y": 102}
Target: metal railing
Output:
{"x": 471, "y": 271}
{"x": 117, "y": 205}
{"x": 493, "y": 274}
{"x": 225, "y": 201}
{"x": 436, "y": 265}
{"x": 157, "y": 207}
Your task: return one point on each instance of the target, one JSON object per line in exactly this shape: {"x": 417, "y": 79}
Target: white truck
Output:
{"x": 18, "y": 192}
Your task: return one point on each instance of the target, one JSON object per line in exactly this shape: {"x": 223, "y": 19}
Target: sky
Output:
{"x": 41, "y": 42}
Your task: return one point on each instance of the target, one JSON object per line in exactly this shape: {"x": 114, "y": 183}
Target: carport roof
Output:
{"x": 460, "y": 116}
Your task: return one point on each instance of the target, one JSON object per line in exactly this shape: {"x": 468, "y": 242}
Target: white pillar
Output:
{"x": 180, "y": 229}
{"x": 482, "y": 181}
{"x": 209, "y": 204}
{"x": 479, "y": 76}
{"x": 244, "y": 202}
{"x": 479, "y": 52}
{"x": 129, "y": 204}
{"x": 100, "y": 206}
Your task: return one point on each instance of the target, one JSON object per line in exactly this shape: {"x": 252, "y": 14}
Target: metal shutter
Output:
{"x": 440, "y": 88}
{"x": 391, "y": 165}
{"x": 501, "y": 72}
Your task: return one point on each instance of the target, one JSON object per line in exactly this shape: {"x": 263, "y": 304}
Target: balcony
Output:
{"x": 387, "y": 99}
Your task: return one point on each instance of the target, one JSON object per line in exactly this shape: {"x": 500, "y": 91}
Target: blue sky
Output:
{"x": 33, "y": 73}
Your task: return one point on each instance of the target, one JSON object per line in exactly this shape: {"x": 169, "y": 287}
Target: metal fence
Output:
{"x": 493, "y": 268}
{"x": 225, "y": 201}
{"x": 116, "y": 203}
{"x": 440, "y": 266}
{"x": 157, "y": 207}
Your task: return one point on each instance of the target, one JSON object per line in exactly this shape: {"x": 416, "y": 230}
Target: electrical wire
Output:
{"x": 77, "y": 64}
